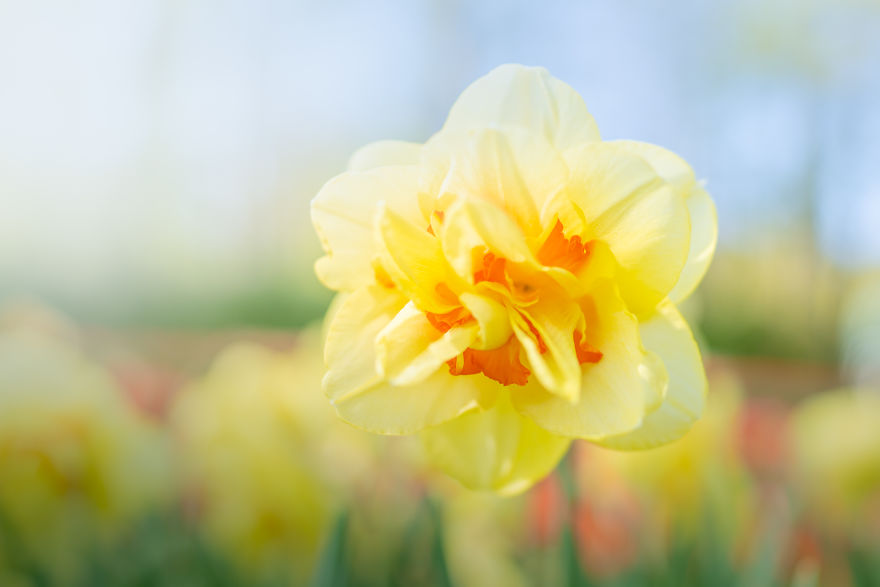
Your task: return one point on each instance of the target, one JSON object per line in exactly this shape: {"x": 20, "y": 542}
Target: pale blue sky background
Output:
{"x": 174, "y": 145}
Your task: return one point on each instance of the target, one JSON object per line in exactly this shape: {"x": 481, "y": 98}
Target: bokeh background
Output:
{"x": 159, "y": 362}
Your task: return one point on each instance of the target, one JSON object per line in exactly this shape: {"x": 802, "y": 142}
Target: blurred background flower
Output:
{"x": 837, "y": 457}
{"x": 248, "y": 475}
{"x": 78, "y": 463}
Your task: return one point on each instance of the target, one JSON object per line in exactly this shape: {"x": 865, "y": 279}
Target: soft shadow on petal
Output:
{"x": 343, "y": 214}
{"x": 618, "y": 198}
{"x": 616, "y": 393}
{"x": 528, "y": 97}
{"x": 667, "y": 334}
{"x": 383, "y": 153}
{"x": 494, "y": 449}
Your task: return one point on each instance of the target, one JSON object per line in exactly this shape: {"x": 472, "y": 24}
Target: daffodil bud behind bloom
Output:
{"x": 511, "y": 285}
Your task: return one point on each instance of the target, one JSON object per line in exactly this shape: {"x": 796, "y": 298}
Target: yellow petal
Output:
{"x": 409, "y": 348}
{"x": 554, "y": 363}
{"x": 392, "y": 409}
{"x": 529, "y": 97}
{"x": 618, "y": 198}
{"x": 600, "y": 267}
{"x": 701, "y": 210}
{"x": 475, "y": 224}
{"x": 495, "y": 449}
{"x": 515, "y": 170}
{"x": 414, "y": 261}
{"x": 667, "y": 334}
{"x": 492, "y": 318}
{"x": 349, "y": 348}
{"x": 363, "y": 398}
{"x": 616, "y": 393}
{"x": 704, "y": 236}
{"x": 667, "y": 164}
{"x": 383, "y": 153}
{"x": 343, "y": 213}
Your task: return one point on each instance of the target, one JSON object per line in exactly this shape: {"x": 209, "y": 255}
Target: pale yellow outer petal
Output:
{"x": 391, "y": 409}
{"x": 616, "y": 394}
{"x": 704, "y": 236}
{"x": 667, "y": 334}
{"x": 343, "y": 213}
{"x": 701, "y": 210}
{"x": 495, "y": 449}
{"x": 362, "y": 397}
{"x": 515, "y": 170}
{"x": 409, "y": 348}
{"x": 384, "y": 153}
{"x": 529, "y": 97}
{"x": 350, "y": 344}
{"x": 618, "y": 198}
{"x": 667, "y": 164}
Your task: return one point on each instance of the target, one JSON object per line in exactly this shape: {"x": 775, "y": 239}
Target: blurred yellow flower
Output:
{"x": 836, "y": 442}
{"x": 78, "y": 464}
{"x": 244, "y": 437}
{"x": 510, "y": 285}
{"x": 267, "y": 465}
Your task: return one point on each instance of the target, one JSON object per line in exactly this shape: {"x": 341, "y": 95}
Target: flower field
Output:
{"x": 382, "y": 293}
{"x": 188, "y": 459}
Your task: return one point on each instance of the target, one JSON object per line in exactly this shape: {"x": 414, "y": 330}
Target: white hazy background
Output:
{"x": 166, "y": 151}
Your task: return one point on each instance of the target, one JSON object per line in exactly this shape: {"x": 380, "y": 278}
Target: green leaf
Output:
{"x": 332, "y": 570}
{"x": 438, "y": 553}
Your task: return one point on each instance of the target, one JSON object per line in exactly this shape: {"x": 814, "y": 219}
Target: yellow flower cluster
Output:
{"x": 510, "y": 285}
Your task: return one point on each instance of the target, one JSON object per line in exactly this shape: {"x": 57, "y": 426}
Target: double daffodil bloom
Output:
{"x": 510, "y": 285}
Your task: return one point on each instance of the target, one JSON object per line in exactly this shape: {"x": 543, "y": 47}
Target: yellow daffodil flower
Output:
{"x": 511, "y": 284}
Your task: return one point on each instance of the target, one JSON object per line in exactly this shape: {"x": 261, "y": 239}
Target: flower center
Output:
{"x": 504, "y": 364}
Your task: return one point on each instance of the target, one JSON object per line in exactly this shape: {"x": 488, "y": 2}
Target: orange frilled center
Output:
{"x": 504, "y": 364}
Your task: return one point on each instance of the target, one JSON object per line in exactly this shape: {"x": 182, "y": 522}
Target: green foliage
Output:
{"x": 332, "y": 569}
